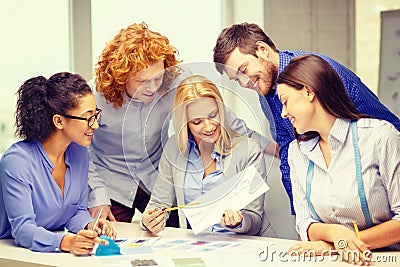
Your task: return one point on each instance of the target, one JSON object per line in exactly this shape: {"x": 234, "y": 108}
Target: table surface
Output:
{"x": 247, "y": 254}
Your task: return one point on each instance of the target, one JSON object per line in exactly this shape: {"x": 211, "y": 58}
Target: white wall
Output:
{"x": 321, "y": 26}
{"x": 191, "y": 26}
{"x": 368, "y": 27}
{"x": 389, "y": 77}
{"x": 34, "y": 41}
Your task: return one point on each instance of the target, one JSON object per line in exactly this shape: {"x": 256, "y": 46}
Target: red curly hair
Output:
{"x": 132, "y": 50}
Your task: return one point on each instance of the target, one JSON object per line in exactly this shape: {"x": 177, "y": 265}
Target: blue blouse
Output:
{"x": 195, "y": 184}
{"x": 31, "y": 203}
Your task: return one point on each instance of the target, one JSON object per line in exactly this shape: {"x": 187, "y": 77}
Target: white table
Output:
{"x": 245, "y": 255}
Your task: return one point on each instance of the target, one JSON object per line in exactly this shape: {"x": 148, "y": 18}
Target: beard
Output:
{"x": 269, "y": 76}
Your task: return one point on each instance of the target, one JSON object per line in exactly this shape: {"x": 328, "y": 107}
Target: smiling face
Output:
{"x": 257, "y": 73}
{"x": 297, "y": 106}
{"x": 204, "y": 120}
{"x": 146, "y": 82}
{"x": 78, "y": 131}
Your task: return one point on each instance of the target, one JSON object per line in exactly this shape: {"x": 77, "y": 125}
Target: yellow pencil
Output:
{"x": 181, "y": 207}
{"x": 356, "y": 229}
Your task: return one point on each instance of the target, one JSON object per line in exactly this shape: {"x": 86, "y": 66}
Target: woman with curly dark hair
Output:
{"x": 44, "y": 177}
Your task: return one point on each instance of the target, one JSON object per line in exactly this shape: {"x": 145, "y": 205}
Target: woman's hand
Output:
{"x": 82, "y": 243}
{"x": 154, "y": 220}
{"x": 349, "y": 246}
{"x": 104, "y": 227}
{"x": 272, "y": 149}
{"x": 317, "y": 247}
{"x": 231, "y": 219}
{"x": 106, "y": 213}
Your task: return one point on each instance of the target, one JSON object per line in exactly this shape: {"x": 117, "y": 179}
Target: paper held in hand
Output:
{"x": 233, "y": 194}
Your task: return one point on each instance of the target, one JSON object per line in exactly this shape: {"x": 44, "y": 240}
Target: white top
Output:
{"x": 334, "y": 190}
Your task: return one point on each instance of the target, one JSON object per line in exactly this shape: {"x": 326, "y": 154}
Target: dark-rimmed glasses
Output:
{"x": 90, "y": 120}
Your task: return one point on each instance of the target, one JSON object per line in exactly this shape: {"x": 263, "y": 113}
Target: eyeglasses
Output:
{"x": 90, "y": 120}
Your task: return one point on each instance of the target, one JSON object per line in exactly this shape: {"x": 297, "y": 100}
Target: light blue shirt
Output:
{"x": 31, "y": 203}
{"x": 195, "y": 185}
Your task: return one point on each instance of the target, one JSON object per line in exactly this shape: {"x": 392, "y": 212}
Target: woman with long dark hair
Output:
{"x": 344, "y": 165}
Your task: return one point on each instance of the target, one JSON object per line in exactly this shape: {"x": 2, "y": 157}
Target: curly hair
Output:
{"x": 40, "y": 98}
{"x": 132, "y": 50}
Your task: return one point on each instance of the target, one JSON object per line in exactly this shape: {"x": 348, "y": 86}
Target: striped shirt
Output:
{"x": 334, "y": 190}
{"x": 282, "y": 130}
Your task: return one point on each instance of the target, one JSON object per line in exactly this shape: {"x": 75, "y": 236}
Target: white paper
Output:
{"x": 233, "y": 194}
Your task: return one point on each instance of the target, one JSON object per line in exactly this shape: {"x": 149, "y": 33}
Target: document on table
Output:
{"x": 234, "y": 194}
{"x": 128, "y": 247}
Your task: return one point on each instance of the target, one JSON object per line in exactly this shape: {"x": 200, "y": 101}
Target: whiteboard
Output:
{"x": 389, "y": 71}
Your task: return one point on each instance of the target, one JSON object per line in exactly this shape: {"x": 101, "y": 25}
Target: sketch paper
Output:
{"x": 169, "y": 244}
{"x": 188, "y": 262}
{"x": 137, "y": 246}
{"x": 193, "y": 245}
{"x": 131, "y": 246}
{"x": 233, "y": 194}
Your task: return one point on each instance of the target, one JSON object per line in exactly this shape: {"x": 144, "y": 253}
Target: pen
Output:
{"x": 97, "y": 219}
{"x": 182, "y": 206}
{"x": 356, "y": 229}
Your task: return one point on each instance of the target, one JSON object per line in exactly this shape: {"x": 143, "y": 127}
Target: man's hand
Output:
{"x": 105, "y": 214}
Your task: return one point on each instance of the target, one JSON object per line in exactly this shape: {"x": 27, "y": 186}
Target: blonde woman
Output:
{"x": 203, "y": 154}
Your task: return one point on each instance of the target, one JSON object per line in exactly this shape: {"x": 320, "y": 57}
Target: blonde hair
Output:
{"x": 189, "y": 90}
{"x": 132, "y": 50}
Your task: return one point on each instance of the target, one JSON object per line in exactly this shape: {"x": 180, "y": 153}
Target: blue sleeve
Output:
{"x": 368, "y": 103}
{"x": 16, "y": 189}
{"x": 284, "y": 138}
{"x": 285, "y": 170}
{"x": 363, "y": 98}
{"x": 82, "y": 217}
{"x": 282, "y": 132}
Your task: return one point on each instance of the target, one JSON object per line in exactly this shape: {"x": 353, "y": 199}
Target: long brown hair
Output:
{"x": 318, "y": 75}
